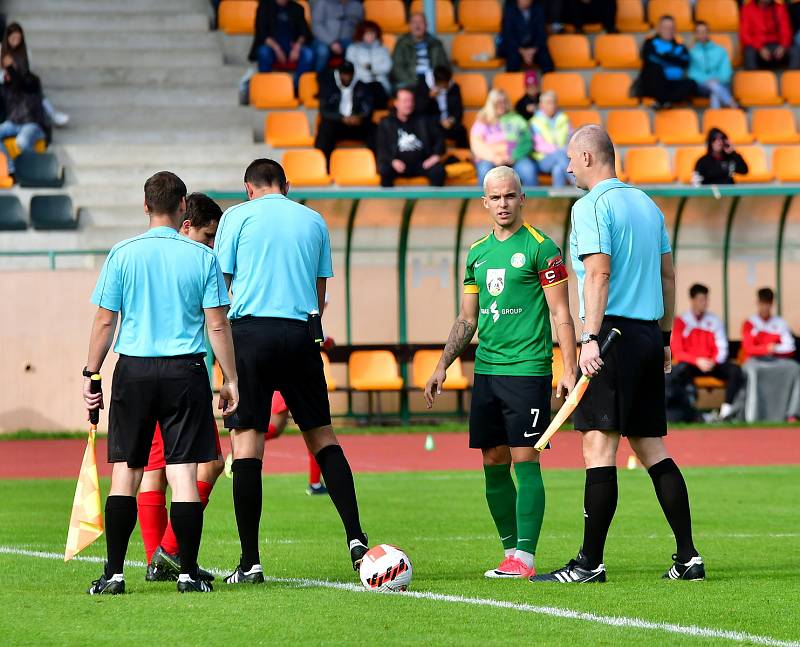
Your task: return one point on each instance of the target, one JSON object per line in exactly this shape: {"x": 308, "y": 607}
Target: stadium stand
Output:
{"x": 39, "y": 170}
{"x": 53, "y": 212}
{"x": 473, "y": 89}
{"x": 756, "y": 88}
{"x": 474, "y": 51}
{"x": 720, "y": 15}
{"x": 479, "y": 16}
{"x": 685, "y": 159}
{"x": 616, "y": 51}
{"x": 354, "y": 167}
{"x": 12, "y": 214}
{"x": 731, "y": 121}
{"x": 775, "y": 126}
{"x": 648, "y": 165}
{"x": 272, "y": 90}
{"x": 287, "y": 130}
{"x": 612, "y": 90}
{"x": 306, "y": 167}
{"x": 389, "y": 14}
{"x": 570, "y": 88}
{"x": 570, "y": 51}
{"x": 679, "y": 126}
{"x": 786, "y": 163}
{"x": 680, "y": 10}
{"x": 630, "y": 127}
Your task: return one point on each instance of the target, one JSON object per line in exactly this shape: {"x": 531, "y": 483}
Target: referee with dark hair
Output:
{"x": 166, "y": 287}
{"x": 276, "y": 258}
{"x": 623, "y": 261}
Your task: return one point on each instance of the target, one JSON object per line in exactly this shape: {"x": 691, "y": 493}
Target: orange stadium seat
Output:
{"x": 617, "y": 51}
{"x": 474, "y": 51}
{"x": 306, "y": 167}
{"x": 480, "y": 16}
{"x": 513, "y": 83}
{"x": 630, "y": 127}
{"x": 649, "y": 165}
{"x": 630, "y": 16}
{"x": 618, "y": 166}
{"x": 424, "y": 363}
{"x": 775, "y": 126}
{"x": 569, "y": 87}
{"x": 308, "y": 89}
{"x": 721, "y": 15}
{"x": 287, "y": 129}
{"x": 680, "y": 10}
{"x": 725, "y": 42}
{"x": 790, "y": 86}
{"x": 354, "y": 167}
{"x": 237, "y": 16}
{"x": 756, "y": 88}
{"x": 786, "y": 163}
{"x": 389, "y": 14}
{"x": 611, "y": 90}
{"x": 445, "y": 15}
{"x": 578, "y": 118}
{"x": 678, "y": 126}
{"x": 758, "y": 170}
{"x": 389, "y": 41}
{"x": 685, "y": 159}
{"x": 306, "y": 10}
{"x": 6, "y": 181}
{"x": 731, "y": 121}
{"x": 473, "y": 88}
{"x": 469, "y": 118}
{"x": 326, "y": 368}
{"x": 272, "y": 90}
{"x": 374, "y": 370}
{"x": 570, "y": 51}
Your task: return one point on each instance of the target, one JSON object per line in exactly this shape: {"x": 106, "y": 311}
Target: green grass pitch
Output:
{"x": 746, "y": 525}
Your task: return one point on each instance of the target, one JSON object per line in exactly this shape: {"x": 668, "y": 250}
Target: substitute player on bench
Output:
{"x": 515, "y": 278}
{"x": 166, "y": 287}
{"x": 622, "y": 258}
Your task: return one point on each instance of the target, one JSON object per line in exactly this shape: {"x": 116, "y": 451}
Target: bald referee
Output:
{"x": 623, "y": 261}
{"x": 276, "y": 257}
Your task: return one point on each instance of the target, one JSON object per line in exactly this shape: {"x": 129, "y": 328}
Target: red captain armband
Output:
{"x": 555, "y": 273}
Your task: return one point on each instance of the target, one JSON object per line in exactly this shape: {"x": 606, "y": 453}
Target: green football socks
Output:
{"x": 501, "y": 495}
{"x": 529, "y": 505}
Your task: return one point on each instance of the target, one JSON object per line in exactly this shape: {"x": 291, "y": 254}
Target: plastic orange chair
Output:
{"x": 731, "y": 121}
{"x": 775, "y": 126}
{"x": 680, "y": 10}
{"x": 570, "y": 51}
{"x": 354, "y": 167}
{"x": 685, "y": 159}
{"x": 469, "y": 118}
{"x": 306, "y": 167}
{"x": 6, "y": 181}
{"x": 786, "y": 163}
{"x": 611, "y": 90}
{"x": 389, "y": 41}
{"x": 272, "y": 90}
{"x": 678, "y": 126}
{"x": 617, "y": 51}
{"x": 389, "y": 14}
{"x": 473, "y": 88}
{"x": 578, "y": 118}
{"x": 756, "y": 88}
{"x": 649, "y": 165}
{"x": 724, "y": 41}
{"x": 758, "y": 170}
{"x": 424, "y": 364}
{"x": 569, "y": 87}
{"x": 630, "y": 16}
{"x": 374, "y": 370}
{"x": 237, "y": 16}
{"x": 480, "y": 16}
{"x": 287, "y": 129}
{"x": 790, "y": 86}
{"x": 721, "y": 15}
{"x": 308, "y": 89}
{"x": 630, "y": 127}
{"x": 326, "y": 368}
{"x": 474, "y": 52}
{"x": 513, "y": 83}
{"x": 445, "y": 15}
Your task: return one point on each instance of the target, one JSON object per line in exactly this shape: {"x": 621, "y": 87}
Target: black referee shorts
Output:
{"x": 275, "y": 354}
{"x": 172, "y": 391}
{"x": 628, "y": 394}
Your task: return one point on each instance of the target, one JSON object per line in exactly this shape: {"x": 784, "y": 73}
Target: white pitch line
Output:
{"x": 553, "y": 612}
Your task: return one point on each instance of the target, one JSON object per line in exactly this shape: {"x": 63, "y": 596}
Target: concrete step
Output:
{"x": 162, "y": 97}
{"x": 65, "y": 58}
{"x": 132, "y": 120}
{"x": 119, "y": 40}
{"x": 84, "y": 156}
{"x": 153, "y": 135}
{"x": 99, "y": 75}
{"x": 100, "y": 22}
{"x": 195, "y": 177}
{"x": 16, "y": 7}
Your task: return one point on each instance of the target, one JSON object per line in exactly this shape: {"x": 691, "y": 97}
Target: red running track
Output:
{"x": 406, "y": 452}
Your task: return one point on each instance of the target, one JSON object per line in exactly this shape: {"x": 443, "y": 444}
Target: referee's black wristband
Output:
{"x": 666, "y": 337}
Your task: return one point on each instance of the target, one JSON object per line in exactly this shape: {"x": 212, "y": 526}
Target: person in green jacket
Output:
{"x": 710, "y": 68}
{"x": 416, "y": 54}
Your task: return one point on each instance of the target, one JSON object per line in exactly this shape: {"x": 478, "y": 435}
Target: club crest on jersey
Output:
{"x": 518, "y": 260}
{"x": 495, "y": 281}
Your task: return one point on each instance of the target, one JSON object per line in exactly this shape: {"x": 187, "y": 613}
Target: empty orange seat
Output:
{"x": 721, "y": 15}
{"x": 237, "y": 16}
{"x": 478, "y": 16}
{"x": 570, "y": 51}
{"x": 679, "y": 126}
{"x": 790, "y": 86}
{"x": 374, "y": 370}
{"x": 272, "y": 90}
{"x": 611, "y": 90}
{"x": 731, "y": 121}
{"x": 756, "y": 88}
{"x": 308, "y": 89}
{"x": 354, "y": 167}
{"x": 306, "y": 167}
{"x": 685, "y": 159}
{"x": 775, "y": 126}
{"x": 578, "y": 118}
{"x": 786, "y": 163}
{"x": 473, "y": 89}
{"x": 513, "y": 83}
{"x": 424, "y": 364}
{"x": 389, "y": 14}
{"x": 287, "y": 129}
{"x": 649, "y": 165}
{"x": 326, "y": 368}
{"x": 680, "y": 10}
{"x": 630, "y": 16}
{"x": 569, "y": 87}
{"x": 6, "y": 181}
{"x": 445, "y": 15}
{"x": 630, "y": 127}
{"x": 617, "y": 51}
{"x": 757, "y": 168}
{"x": 474, "y": 51}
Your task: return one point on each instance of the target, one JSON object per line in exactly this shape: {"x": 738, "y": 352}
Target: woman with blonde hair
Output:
{"x": 501, "y": 137}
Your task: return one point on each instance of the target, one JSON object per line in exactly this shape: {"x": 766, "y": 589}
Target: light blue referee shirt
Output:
{"x": 160, "y": 282}
{"x": 275, "y": 249}
{"x": 620, "y": 220}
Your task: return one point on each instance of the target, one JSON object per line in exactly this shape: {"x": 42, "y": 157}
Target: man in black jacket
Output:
{"x": 665, "y": 62}
{"x": 25, "y": 118}
{"x": 523, "y": 37}
{"x": 283, "y": 38}
{"x": 345, "y": 107}
{"x": 443, "y": 104}
{"x": 409, "y": 145}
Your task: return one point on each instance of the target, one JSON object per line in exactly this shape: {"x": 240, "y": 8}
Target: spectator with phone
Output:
{"x": 720, "y": 162}
{"x": 24, "y": 113}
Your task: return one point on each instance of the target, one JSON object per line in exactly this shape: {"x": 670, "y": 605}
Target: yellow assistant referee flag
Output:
{"x": 86, "y": 522}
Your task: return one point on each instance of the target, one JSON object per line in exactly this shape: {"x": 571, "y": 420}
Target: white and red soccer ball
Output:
{"x": 385, "y": 568}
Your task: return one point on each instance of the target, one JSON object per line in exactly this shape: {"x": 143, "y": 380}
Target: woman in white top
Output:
{"x": 371, "y": 61}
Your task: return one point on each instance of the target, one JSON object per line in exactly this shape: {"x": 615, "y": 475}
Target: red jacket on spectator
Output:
{"x": 693, "y": 338}
{"x": 760, "y": 25}
{"x": 758, "y": 335}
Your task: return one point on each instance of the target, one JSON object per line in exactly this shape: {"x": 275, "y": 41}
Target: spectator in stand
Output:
{"x": 372, "y": 62}
{"x": 528, "y": 103}
{"x": 720, "y": 162}
{"x": 773, "y": 375}
{"x": 417, "y": 54}
{"x": 409, "y": 145}
{"x": 501, "y": 137}
{"x": 443, "y": 104}
{"x": 523, "y": 39}
{"x": 664, "y": 64}
{"x": 551, "y": 132}
{"x": 765, "y": 33}
{"x": 583, "y": 12}
{"x": 282, "y": 38}
{"x": 345, "y": 108}
{"x": 710, "y": 68}
{"x": 700, "y": 347}
{"x": 25, "y": 118}
{"x": 333, "y": 23}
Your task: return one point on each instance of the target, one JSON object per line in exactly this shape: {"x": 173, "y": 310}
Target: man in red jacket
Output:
{"x": 765, "y": 31}
{"x": 700, "y": 347}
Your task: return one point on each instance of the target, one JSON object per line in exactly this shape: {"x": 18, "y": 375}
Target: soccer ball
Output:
{"x": 385, "y": 568}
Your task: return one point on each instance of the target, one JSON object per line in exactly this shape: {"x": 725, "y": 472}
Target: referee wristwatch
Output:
{"x": 87, "y": 372}
{"x": 587, "y": 337}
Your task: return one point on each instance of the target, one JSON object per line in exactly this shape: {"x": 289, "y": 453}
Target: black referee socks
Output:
{"x": 247, "y": 505}
{"x": 674, "y": 499}
{"x": 120, "y": 522}
{"x": 339, "y": 480}
{"x": 599, "y": 505}
{"x": 187, "y": 523}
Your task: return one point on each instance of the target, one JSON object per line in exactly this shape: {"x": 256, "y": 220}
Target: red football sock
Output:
{"x": 152, "y": 519}
{"x": 169, "y": 542}
{"x": 314, "y": 473}
{"x": 272, "y": 432}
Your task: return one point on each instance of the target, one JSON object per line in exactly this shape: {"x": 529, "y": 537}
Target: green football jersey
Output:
{"x": 510, "y": 277}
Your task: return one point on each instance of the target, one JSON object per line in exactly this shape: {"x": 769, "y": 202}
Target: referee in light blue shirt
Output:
{"x": 276, "y": 257}
{"x": 623, "y": 261}
{"x": 163, "y": 287}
